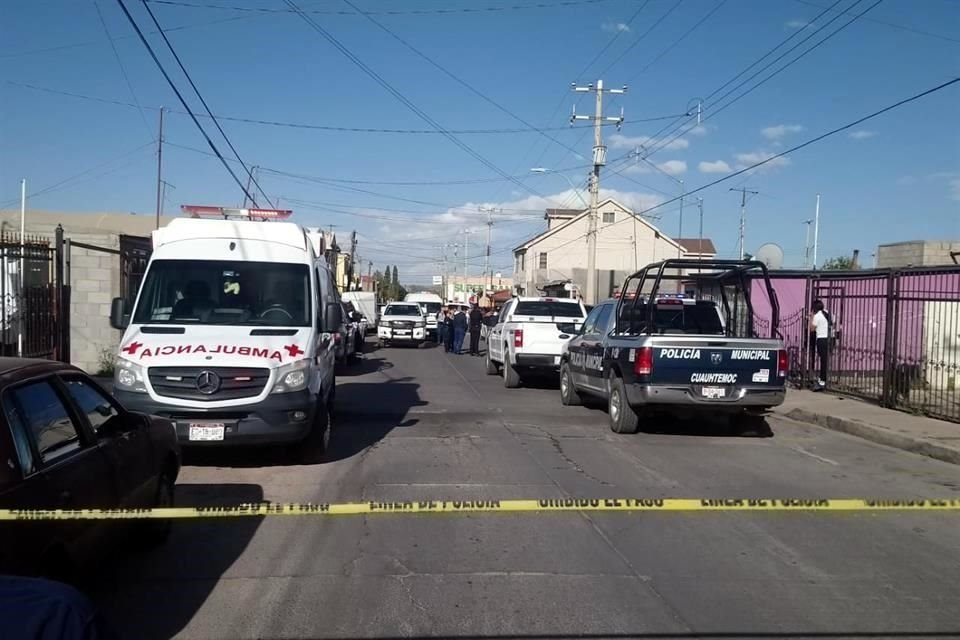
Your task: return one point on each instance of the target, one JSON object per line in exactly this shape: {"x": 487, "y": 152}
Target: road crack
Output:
{"x": 555, "y": 443}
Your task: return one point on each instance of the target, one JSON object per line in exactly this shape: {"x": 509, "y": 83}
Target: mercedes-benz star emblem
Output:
{"x": 208, "y": 382}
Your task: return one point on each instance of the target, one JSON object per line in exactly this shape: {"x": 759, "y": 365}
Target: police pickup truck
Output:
{"x": 695, "y": 352}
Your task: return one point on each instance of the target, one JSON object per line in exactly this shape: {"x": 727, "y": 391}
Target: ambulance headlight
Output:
{"x": 291, "y": 377}
{"x": 129, "y": 376}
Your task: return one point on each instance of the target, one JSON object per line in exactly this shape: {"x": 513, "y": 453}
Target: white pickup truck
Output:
{"x": 529, "y": 336}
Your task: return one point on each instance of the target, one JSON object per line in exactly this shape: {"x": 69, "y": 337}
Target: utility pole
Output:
{"x": 160, "y": 169}
{"x": 680, "y": 229}
{"x": 700, "y": 235}
{"x": 486, "y": 261}
{"x": 466, "y": 254}
{"x": 743, "y": 214}
{"x": 599, "y": 160}
{"x": 816, "y": 232}
{"x": 370, "y": 272}
{"x": 22, "y": 299}
{"x": 806, "y": 244}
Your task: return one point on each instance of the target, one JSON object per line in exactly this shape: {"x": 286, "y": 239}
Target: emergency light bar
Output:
{"x": 197, "y": 211}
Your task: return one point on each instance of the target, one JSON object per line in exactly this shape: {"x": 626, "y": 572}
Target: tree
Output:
{"x": 839, "y": 263}
{"x": 396, "y": 279}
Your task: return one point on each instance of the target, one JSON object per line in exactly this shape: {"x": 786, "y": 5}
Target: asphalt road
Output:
{"x": 418, "y": 424}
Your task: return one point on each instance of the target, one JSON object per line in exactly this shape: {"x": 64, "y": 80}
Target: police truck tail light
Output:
{"x": 643, "y": 364}
{"x": 783, "y": 363}
{"x": 518, "y": 338}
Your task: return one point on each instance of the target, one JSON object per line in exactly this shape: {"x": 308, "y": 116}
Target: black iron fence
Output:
{"x": 34, "y": 300}
{"x": 896, "y": 334}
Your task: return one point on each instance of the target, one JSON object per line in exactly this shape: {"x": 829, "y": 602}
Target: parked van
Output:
{"x": 431, "y": 304}
{"x": 231, "y": 334}
{"x": 366, "y": 303}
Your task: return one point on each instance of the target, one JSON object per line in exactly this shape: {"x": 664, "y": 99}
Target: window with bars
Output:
{"x": 609, "y": 217}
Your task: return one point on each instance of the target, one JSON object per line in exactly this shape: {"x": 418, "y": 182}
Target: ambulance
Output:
{"x": 231, "y": 335}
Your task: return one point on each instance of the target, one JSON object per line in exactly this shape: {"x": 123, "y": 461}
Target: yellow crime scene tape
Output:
{"x": 545, "y": 505}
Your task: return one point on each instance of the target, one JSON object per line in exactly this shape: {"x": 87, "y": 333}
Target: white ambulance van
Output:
{"x": 231, "y": 334}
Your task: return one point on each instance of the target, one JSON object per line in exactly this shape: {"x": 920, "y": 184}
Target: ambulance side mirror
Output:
{"x": 119, "y": 315}
{"x": 334, "y": 317}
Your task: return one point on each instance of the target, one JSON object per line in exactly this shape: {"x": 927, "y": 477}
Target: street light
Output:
{"x": 569, "y": 181}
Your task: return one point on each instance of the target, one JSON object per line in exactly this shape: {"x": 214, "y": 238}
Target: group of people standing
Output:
{"x": 453, "y": 326}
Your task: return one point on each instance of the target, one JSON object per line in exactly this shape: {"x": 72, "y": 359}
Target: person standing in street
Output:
{"x": 459, "y": 330}
{"x": 441, "y": 326}
{"x": 821, "y": 328}
{"x": 476, "y": 321}
{"x": 448, "y": 330}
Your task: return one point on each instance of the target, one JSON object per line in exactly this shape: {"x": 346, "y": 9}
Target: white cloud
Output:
{"x": 714, "y": 167}
{"x": 636, "y": 169}
{"x": 619, "y": 141}
{"x": 780, "y": 130}
{"x": 906, "y": 181}
{"x": 797, "y": 24}
{"x": 745, "y": 160}
{"x": 615, "y": 27}
{"x": 673, "y": 167}
{"x": 699, "y": 130}
{"x": 861, "y": 134}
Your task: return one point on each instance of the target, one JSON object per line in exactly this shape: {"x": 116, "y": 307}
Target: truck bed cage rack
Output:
{"x": 720, "y": 271}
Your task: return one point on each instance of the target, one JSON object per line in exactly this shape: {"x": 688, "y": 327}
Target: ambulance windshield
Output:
{"x": 225, "y": 292}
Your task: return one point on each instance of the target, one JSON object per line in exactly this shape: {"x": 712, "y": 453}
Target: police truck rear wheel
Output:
{"x": 623, "y": 419}
{"x": 568, "y": 393}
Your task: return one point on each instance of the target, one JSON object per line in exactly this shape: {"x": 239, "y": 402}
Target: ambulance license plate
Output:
{"x": 206, "y": 431}
{"x": 713, "y": 393}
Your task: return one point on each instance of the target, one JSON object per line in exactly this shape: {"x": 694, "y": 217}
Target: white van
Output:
{"x": 431, "y": 304}
{"x": 231, "y": 335}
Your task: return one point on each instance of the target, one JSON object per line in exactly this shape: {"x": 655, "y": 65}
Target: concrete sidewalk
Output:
{"x": 926, "y": 436}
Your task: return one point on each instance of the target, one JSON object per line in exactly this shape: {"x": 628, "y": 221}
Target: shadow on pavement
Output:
{"x": 366, "y": 413}
{"x": 155, "y": 593}
{"x": 362, "y": 366}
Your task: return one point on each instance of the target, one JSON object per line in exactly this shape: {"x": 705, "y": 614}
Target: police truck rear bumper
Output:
{"x": 736, "y": 397}
{"x": 279, "y": 418}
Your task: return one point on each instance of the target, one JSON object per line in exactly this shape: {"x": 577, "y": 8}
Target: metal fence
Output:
{"x": 34, "y": 314}
{"x": 896, "y": 333}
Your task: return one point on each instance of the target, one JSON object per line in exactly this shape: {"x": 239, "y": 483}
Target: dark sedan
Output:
{"x": 65, "y": 443}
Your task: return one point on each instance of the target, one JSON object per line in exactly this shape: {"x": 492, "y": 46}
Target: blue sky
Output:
{"x": 896, "y": 178}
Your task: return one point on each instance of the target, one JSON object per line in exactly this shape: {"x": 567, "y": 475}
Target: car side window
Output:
{"x": 603, "y": 319}
{"x": 95, "y": 405}
{"x": 41, "y": 412}
{"x": 504, "y": 312}
{"x": 21, "y": 456}
{"x": 589, "y": 324}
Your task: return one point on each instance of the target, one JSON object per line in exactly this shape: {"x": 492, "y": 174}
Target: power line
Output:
{"x": 206, "y": 107}
{"x": 402, "y": 98}
{"x": 123, "y": 70}
{"x": 894, "y": 25}
{"x": 711, "y": 112}
{"x": 74, "y": 45}
{"x": 676, "y": 42}
{"x": 321, "y": 127}
{"x": 180, "y": 97}
{"x": 802, "y": 145}
{"x": 457, "y": 78}
{"x": 610, "y": 42}
{"x": 63, "y": 183}
{"x": 391, "y": 12}
{"x": 673, "y": 127}
{"x": 641, "y": 37}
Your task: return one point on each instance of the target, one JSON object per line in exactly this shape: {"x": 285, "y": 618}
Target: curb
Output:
{"x": 880, "y": 435}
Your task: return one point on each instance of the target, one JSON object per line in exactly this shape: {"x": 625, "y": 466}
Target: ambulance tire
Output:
{"x": 623, "y": 419}
{"x": 568, "y": 392}
{"x": 313, "y": 448}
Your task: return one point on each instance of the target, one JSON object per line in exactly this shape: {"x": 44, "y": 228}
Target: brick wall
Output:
{"x": 95, "y": 281}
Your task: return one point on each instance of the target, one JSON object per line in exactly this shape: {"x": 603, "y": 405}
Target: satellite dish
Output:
{"x": 771, "y": 255}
